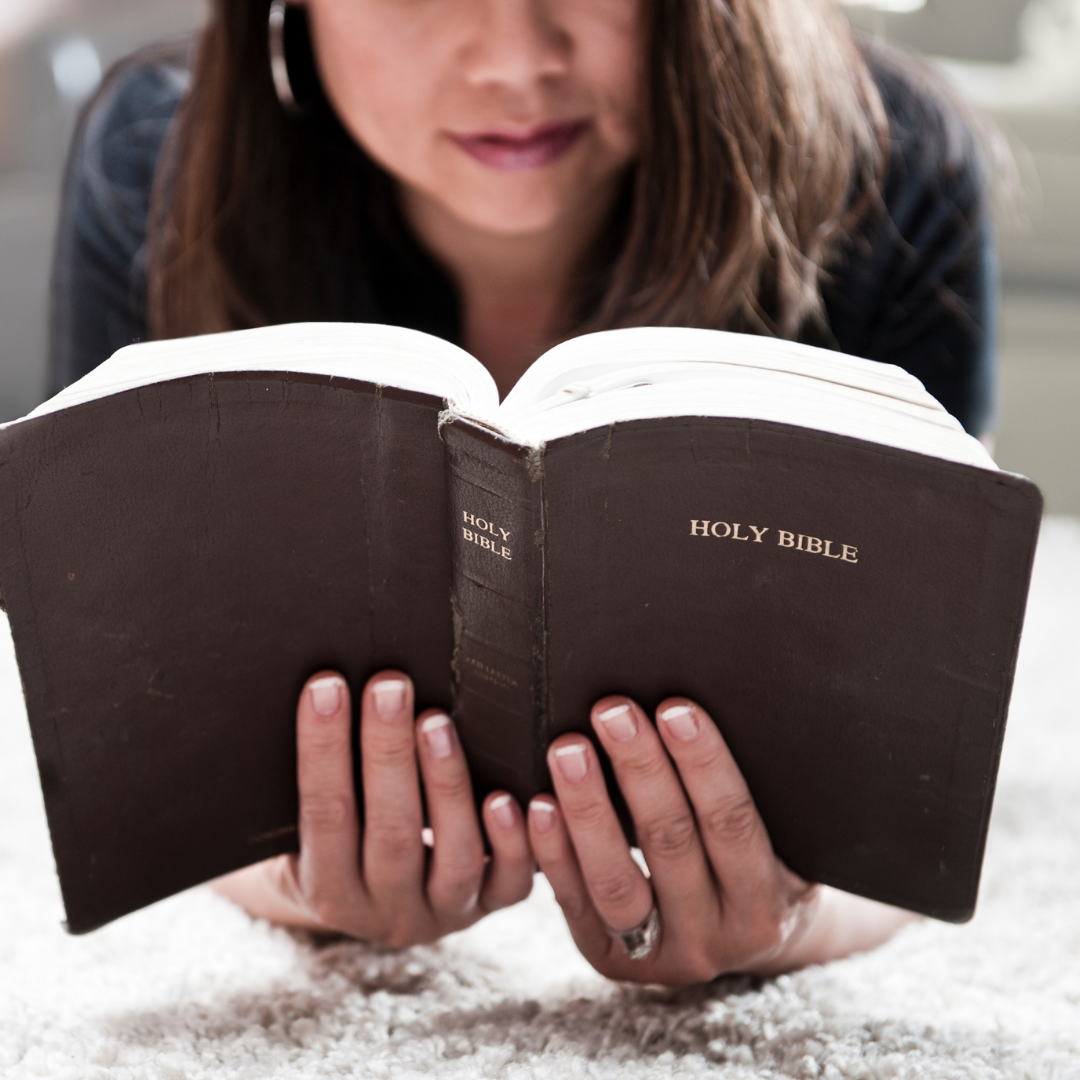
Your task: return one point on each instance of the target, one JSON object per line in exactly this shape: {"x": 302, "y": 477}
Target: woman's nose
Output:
{"x": 516, "y": 43}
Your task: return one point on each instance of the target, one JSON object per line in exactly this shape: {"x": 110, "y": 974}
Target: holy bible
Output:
{"x": 805, "y": 543}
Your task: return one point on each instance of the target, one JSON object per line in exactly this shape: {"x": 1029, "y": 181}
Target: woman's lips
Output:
{"x": 541, "y": 146}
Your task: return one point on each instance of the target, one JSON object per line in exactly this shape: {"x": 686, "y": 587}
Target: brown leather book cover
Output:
{"x": 177, "y": 559}
{"x": 848, "y": 613}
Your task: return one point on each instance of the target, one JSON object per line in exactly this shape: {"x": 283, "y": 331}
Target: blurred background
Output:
{"x": 1019, "y": 60}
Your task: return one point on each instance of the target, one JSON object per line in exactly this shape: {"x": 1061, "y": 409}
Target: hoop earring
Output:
{"x": 279, "y": 68}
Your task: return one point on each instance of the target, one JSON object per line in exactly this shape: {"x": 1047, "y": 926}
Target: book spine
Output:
{"x": 497, "y": 530}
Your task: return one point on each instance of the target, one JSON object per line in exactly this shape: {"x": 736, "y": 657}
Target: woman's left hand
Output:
{"x": 726, "y": 902}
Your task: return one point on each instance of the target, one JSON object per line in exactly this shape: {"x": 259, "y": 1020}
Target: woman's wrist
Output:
{"x": 261, "y": 891}
{"x": 836, "y": 924}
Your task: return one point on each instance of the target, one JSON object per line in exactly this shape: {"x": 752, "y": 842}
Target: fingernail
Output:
{"x": 502, "y": 810}
{"x": 389, "y": 697}
{"x": 572, "y": 762}
{"x": 681, "y": 721}
{"x": 436, "y": 733}
{"x": 619, "y": 722}
{"x": 326, "y": 694}
{"x": 542, "y": 815}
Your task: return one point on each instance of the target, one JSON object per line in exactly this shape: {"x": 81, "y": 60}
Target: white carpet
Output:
{"x": 193, "y": 989}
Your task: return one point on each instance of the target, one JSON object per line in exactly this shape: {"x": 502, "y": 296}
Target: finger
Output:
{"x": 456, "y": 871}
{"x": 556, "y": 857}
{"x": 393, "y": 852}
{"x": 510, "y": 872}
{"x": 329, "y": 830}
{"x": 731, "y": 829}
{"x": 663, "y": 820}
{"x": 619, "y": 891}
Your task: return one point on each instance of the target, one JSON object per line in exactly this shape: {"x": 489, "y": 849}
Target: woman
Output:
{"x": 505, "y": 173}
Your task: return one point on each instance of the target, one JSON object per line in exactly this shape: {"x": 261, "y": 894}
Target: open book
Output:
{"x": 804, "y": 542}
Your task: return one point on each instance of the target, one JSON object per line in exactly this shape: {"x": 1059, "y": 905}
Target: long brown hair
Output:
{"x": 764, "y": 140}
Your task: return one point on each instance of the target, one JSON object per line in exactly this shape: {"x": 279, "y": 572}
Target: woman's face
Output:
{"x": 511, "y": 115}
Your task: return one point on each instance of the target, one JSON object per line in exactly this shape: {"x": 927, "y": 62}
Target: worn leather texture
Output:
{"x": 176, "y": 560}
{"x": 848, "y": 613}
{"x": 496, "y": 539}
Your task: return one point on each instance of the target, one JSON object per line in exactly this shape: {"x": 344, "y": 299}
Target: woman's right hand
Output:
{"x": 380, "y": 883}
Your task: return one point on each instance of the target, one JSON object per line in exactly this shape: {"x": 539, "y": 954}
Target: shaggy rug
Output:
{"x": 193, "y": 989}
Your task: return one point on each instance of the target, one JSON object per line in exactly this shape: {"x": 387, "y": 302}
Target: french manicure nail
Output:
{"x": 542, "y": 814}
{"x": 618, "y": 722}
{"x": 502, "y": 810}
{"x": 326, "y": 695}
{"x": 436, "y": 733}
{"x": 572, "y": 762}
{"x": 681, "y": 721}
{"x": 389, "y": 697}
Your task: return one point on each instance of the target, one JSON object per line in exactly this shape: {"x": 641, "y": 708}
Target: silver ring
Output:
{"x": 641, "y": 940}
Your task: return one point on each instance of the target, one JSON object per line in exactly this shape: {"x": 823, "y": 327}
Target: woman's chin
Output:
{"x": 522, "y": 203}
{"x": 509, "y": 223}
{"x": 500, "y": 213}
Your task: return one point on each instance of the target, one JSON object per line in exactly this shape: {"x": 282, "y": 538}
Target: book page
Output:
{"x": 652, "y": 372}
{"x": 366, "y": 352}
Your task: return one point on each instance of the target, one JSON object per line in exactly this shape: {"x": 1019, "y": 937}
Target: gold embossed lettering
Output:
{"x": 480, "y": 526}
{"x": 812, "y": 545}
